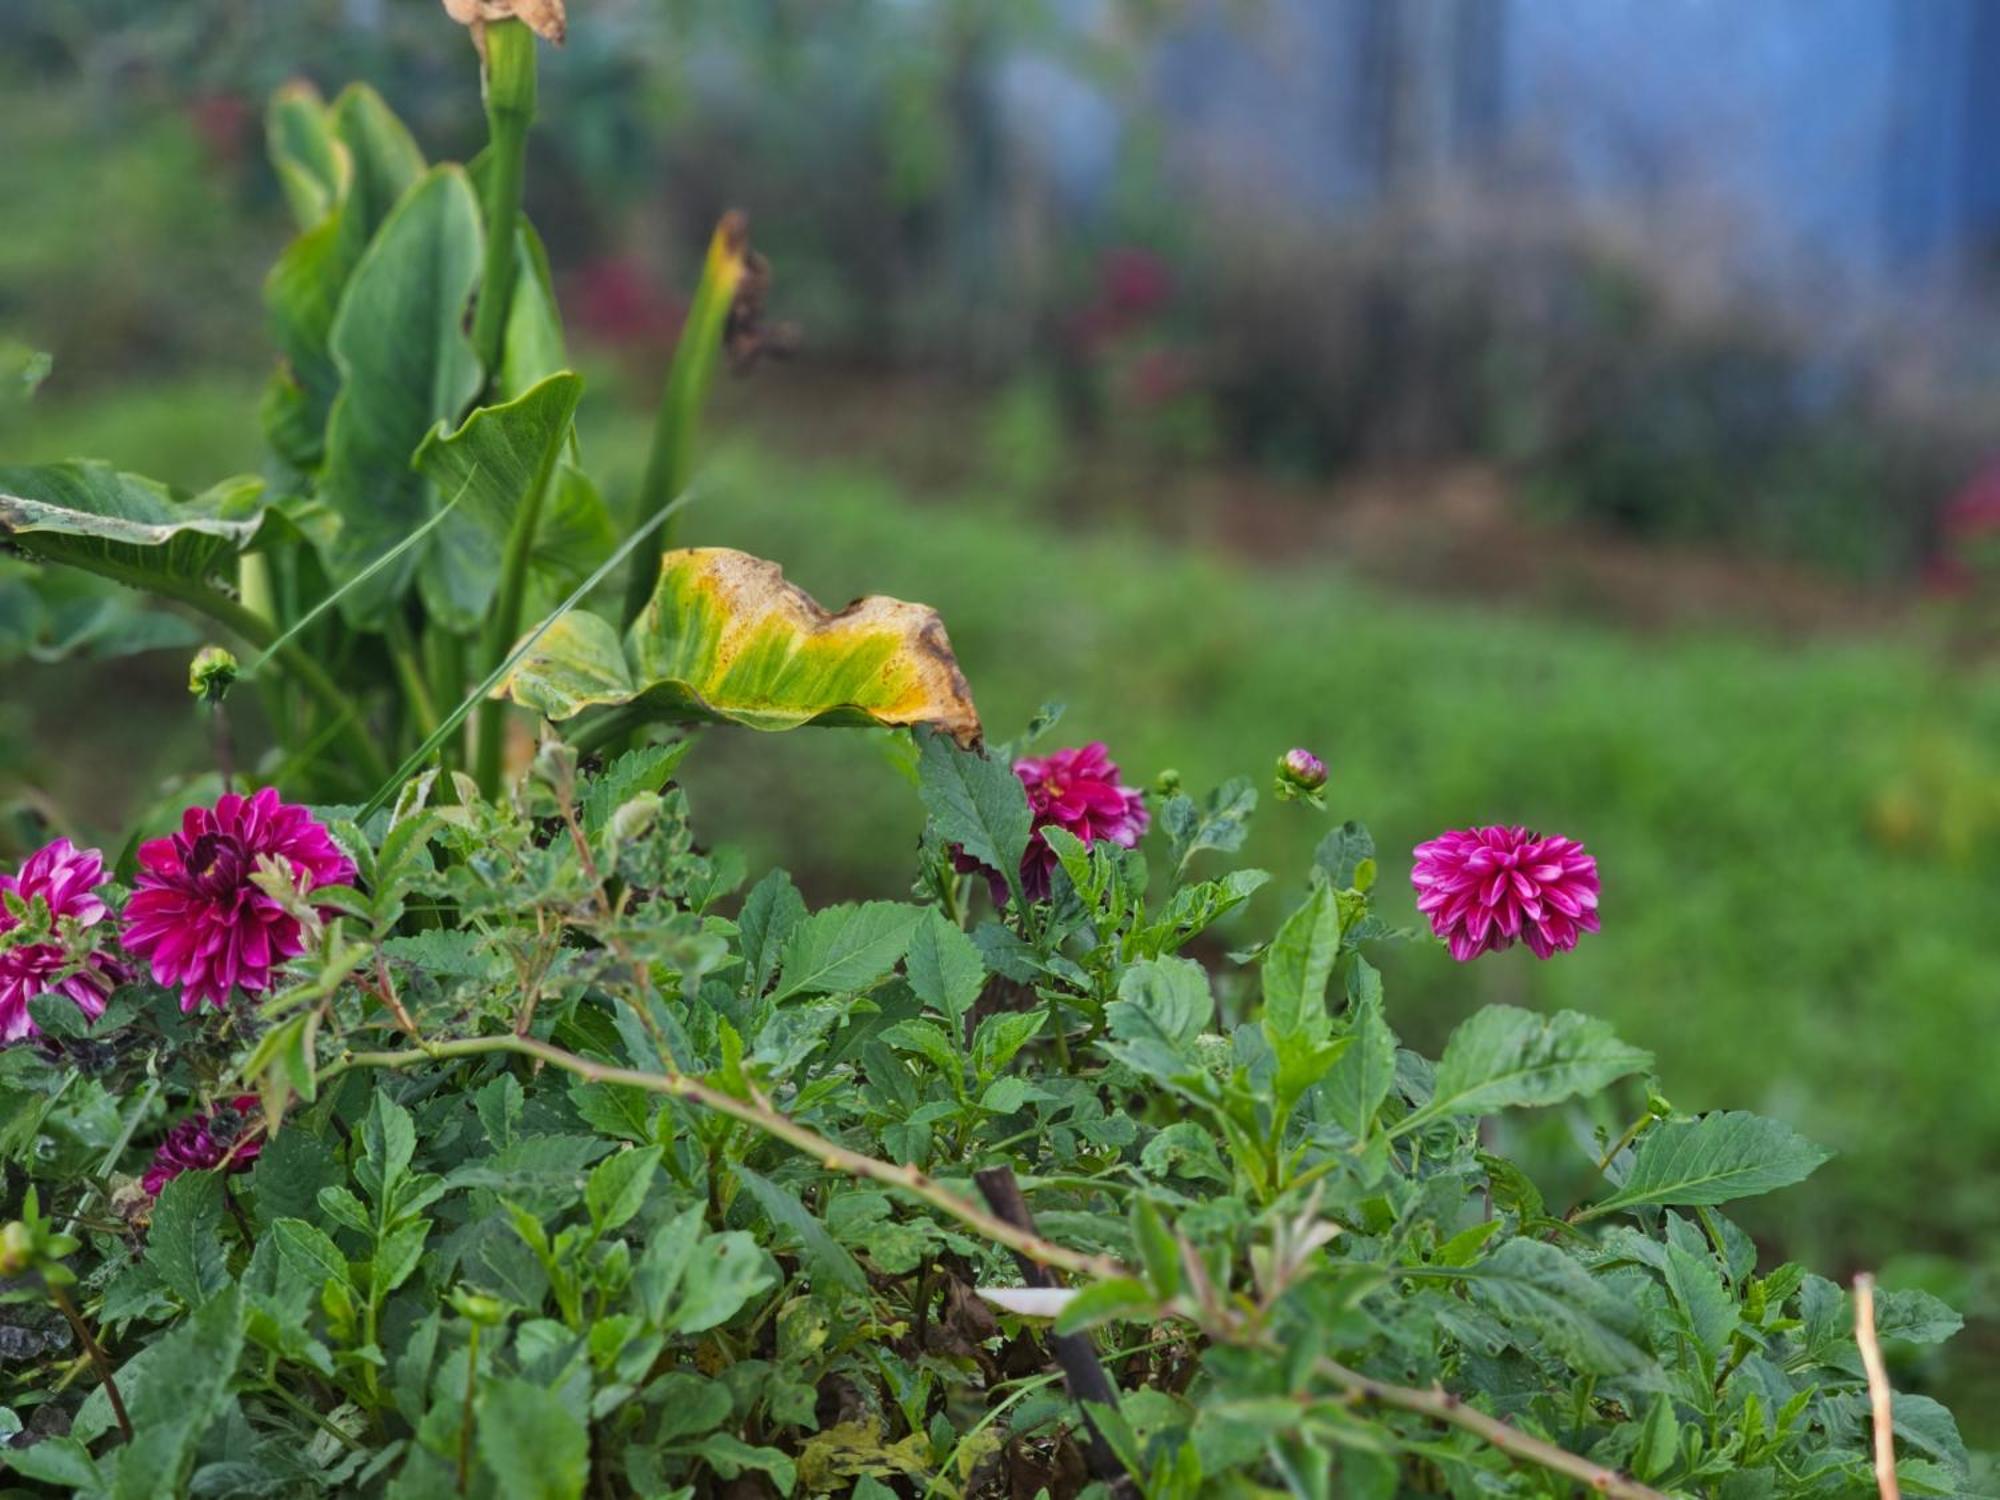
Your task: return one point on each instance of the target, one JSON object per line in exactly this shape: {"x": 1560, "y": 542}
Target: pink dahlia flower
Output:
{"x": 201, "y": 1143}
{"x": 196, "y": 914}
{"x": 66, "y": 879}
{"x": 1077, "y": 790}
{"x": 1484, "y": 887}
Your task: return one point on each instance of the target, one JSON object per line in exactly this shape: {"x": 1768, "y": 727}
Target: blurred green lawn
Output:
{"x": 1771, "y": 949}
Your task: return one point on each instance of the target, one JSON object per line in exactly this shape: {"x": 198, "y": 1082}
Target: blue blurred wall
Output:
{"x": 1865, "y": 133}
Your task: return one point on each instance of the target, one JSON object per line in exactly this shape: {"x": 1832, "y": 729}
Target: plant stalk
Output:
{"x": 510, "y": 111}
{"x": 97, "y": 1355}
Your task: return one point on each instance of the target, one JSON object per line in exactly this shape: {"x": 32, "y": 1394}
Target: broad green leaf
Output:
{"x": 1706, "y": 1302}
{"x": 1916, "y": 1316}
{"x": 126, "y": 528}
{"x": 405, "y": 366}
{"x": 944, "y": 966}
{"x": 184, "y": 1246}
{"x": 60, "y": 1461}
{"x": 498, "y": 459}
{"x": 1343, "y": 853}
{"x": 1545, "y": 1296}
{"x": 1360, "y": 1081}
{"x": 770, "y": 912}
{"x": 535, "y": 1446}
{"x": 1929, "y": 1426}
{"x": 725, "y": 638}
{"x": 184, "y": 1389}
{"x": 828, "y": 1258}
{"x": 845, "y": 949}
{"x": 534, "y": 349}
{"x": 617, "y": 1186}
{"x": 1508, "y": 1058}
{"x": 643, "y": 770}
{"x": 1298, "y": 965}
{"x": 306, "y": 1250}
{"x": 1717, "y": 1158}
{"x": 977, "y": 803}
{"x": 1173, "y": 994}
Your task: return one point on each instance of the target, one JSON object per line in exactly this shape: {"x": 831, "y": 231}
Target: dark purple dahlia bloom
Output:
{"x": 1079, "y": 791}
{"x": 201, "y": 1143}
{"x": 1483, "y": 888}
{"x": 66, "y": 879}
{"x": 197, "y": 916}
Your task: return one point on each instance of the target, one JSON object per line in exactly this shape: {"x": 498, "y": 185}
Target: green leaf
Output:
{"x": 829, "y": 1259}
{"x": 1508, "y": 1058}
{"x": 1915, "y": 1316}
{"x": 944, "y": 966}
{"x": 535, "y": 1446}
{"x": 772, "y": 910}
{"x": 1173, "y": 995}
{"x": 405, "y": 366}
{"x": 183, "y": 1391}
{"x": 1360, "y": 1081}
{"x": 60, "y": 1461}
{"x": 1114, "y": 1297}
{"x": 127, "y": 528}
{"x": 617, "y": 1186}
{"x": 725, "y": 638}
{"x": 1698, "y": 1290}
{"x": 1545, "y": 1296}
{"x": 977, "y": 803}
{"x": 1297, "y": 966}
{"x": 845, "y": 949}
{"x": 1343, "y": 852}
{"x": 645, "y": 769}
{"x": 1717, "y": 1158}
{"x": 502, "y": 458}
{"x": 1221, "y": 823}
{"x": 184, "y": 1245}
{"x": 389, "y": 1143}
{"x": 306, "y": 1250}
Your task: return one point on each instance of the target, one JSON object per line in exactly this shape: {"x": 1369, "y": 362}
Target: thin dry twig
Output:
{"x": 1881, "y": 1399}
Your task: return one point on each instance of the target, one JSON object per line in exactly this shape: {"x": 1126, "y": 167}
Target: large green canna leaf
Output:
{"x": 52, "y": 614}
{"x": 124, "y": 527}
{"x": 725, "y": 637}
{"x": 502, "y": 458}
{"x": 343, "y": 168}
{"x": 405, "y": 366}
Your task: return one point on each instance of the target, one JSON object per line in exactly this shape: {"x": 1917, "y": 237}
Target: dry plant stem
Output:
{"x": 833, "y": 1155}
{"x": 97, "y": 1356}
{"x": 1443, "y": 1406}
{"x": 1881, "y": 1400}
{"x": 1082, "y": 1372}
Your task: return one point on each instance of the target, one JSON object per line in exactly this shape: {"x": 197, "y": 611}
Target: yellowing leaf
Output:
{"x": 725, "y": 637}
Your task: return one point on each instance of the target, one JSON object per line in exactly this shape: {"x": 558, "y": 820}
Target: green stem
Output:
{"x": 510, "y": 110}
{"x": 671, "y": 460}
{"x": 503, "y": 625}
{"x": 409, "y": 672}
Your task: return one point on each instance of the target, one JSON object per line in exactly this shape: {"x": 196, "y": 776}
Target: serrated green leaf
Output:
{"x": 1508, "y": 1058}
{"x": 184, "y": 1389}
{"x": 617, "y": 1186}
{"x": 1699, "y": 1292}
{"x": 1173, "y": 995}
{"x": 184, "y": 1245}
{"x": 944, "y": 966}
{"x": 977, "y": 803}
{"x": 535, "y": 1447}
{"x": 845, "y": 949}
{"x": 829, "y": 1259}
{"x": 1297, "y": 966}
{"x": 645, "y": 769}
{"x": 1715, "y": 1159}
{"x": 1359, "y": 1083}
{"x": 1544, "y": 1295}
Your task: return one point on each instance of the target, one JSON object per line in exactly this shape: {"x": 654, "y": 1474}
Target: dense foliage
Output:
{"x": 485, "y": 1136}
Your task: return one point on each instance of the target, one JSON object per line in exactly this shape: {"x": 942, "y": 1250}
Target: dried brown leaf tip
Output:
{"x": 543, "y": 17}
{"x": 746, "y": 336}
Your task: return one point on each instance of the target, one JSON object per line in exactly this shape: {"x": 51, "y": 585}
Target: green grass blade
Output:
{"x": 477, "y": 696}
{"x": 360, "y": 578}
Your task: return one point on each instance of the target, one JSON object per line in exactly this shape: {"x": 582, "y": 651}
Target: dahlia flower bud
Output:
{"x": 1484, "y": 888}
{"x": 65, "y": 880}
{"x": 200, "y": 914}
{"x": 1301, "y": 775}
{"x": 212, "y": 673}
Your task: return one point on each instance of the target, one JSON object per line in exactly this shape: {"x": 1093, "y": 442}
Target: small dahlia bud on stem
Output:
{"x": 1301, "y": 777}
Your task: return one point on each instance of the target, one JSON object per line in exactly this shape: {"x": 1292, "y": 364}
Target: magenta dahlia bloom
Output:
{"x": 196, "y": 914}
{"x": 1077, "y": 790}
{"x": 1484, "y": 887}
{"x": 201, "y": 1143}
{"x": 66, "y": 879}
